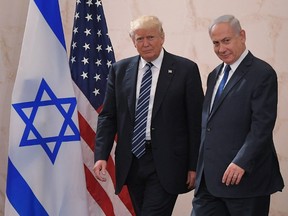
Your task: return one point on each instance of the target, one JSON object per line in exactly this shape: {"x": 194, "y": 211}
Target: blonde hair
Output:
{"x": 145, "y": 22}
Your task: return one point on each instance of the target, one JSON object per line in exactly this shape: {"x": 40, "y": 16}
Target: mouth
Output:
{"x": 147, "y": 51}
{"x": 224, "y": 55}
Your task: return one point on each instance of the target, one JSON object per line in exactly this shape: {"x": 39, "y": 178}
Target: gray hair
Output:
{"x": 145, "y": 22}
{"x": 233, "y": 21}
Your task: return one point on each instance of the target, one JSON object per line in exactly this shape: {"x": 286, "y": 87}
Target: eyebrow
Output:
{"x": 221, "y": 40}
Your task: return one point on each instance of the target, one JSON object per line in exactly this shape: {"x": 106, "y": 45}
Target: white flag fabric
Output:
{"x": 45, "y": 168}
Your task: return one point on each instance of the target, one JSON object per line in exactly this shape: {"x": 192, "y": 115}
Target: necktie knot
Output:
{"x": 227, "y": 69}
{"x": 150, "y": 65}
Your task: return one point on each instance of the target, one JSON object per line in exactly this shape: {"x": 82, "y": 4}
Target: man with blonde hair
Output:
{"x": 153, "y": 102}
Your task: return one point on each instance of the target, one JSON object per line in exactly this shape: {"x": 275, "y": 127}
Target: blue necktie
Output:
{"x": 222, "y": 83}
{"x": 139, "y": 133}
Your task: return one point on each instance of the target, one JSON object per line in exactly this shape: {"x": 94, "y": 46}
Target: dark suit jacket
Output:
{"x": 239, "y": 130}
{"x": 175, "y": 125}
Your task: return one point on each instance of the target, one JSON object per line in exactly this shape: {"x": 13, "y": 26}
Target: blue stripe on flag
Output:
{"x": 51, "y": 12}
{"x": 22, "y": 197}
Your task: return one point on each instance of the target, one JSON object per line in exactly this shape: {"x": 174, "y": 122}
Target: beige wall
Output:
{"x": 185, "y": 23}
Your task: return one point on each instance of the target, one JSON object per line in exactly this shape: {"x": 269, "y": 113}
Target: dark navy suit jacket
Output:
{"x": 239, "y": 129}
{"x": 175, "y": 124}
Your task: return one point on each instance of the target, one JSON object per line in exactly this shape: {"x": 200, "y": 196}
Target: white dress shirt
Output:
{"x": 155, "y": 74}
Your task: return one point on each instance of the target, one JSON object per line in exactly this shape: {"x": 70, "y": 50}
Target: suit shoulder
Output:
{"x": 181, "y": 59}
{"x": 126, "y": 61}
{"x": 215, "y": 71}
{"x": 262, "y": 67}
{"x": 262, "y": 64}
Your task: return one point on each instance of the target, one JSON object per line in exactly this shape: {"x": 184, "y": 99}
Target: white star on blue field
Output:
{"x": 55, "y": 109}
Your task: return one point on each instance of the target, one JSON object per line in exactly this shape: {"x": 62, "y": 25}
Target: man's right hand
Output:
{"x": 100, "y": 170}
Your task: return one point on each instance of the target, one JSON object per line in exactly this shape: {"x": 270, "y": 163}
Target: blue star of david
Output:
{"x": 32, "y": 136}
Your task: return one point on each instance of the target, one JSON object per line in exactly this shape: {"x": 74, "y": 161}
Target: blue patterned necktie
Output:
{"x": 222, "y": 83}
{"x": 139, "y": 133}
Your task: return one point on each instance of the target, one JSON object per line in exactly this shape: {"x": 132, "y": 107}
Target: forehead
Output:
{"x": 146, "y": 31}
{"x": 221, "y": 31}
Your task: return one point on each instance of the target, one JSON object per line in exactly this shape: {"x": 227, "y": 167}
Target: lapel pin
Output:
{"x": 170, "y": 71}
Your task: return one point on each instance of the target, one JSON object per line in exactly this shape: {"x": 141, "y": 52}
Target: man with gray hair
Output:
{"x": 237, "y": 169}
{"x": 153, "y": 103}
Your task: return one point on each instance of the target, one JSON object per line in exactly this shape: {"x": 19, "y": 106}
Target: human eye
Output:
{"x": 215, "y": 43}
{"x": 139, "y": 39}
{"x": 150, "y": 38}
{"x": 226, "y": 40}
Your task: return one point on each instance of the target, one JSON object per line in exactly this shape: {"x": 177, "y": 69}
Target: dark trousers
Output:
{"x": 148, "y": 196}
{"x": 205, "y": 204}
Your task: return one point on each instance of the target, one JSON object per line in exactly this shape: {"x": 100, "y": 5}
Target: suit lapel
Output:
{"x": 167, "y": 71}
{"x": 237, "y": 76}
{"x": 129, "y": 83}
{"x": 210, "y": 88}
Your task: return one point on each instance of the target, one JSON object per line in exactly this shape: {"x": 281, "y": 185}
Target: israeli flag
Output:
{"x": 45, "y": 168}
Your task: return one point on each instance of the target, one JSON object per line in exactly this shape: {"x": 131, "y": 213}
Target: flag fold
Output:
{"x": 91, "y": 57}
{"x": 45, "y": 173}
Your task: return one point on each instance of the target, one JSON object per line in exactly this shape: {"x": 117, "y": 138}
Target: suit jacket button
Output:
{"x": 152, "y": 128}
{"x": 208, "y": 129}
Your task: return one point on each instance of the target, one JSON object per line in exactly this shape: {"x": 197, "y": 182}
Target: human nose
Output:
{"x": 146, "y": 42}
{"x": 221, "y": 48}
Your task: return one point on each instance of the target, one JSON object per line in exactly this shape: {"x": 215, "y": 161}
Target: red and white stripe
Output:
{"x": 102, "y": 200}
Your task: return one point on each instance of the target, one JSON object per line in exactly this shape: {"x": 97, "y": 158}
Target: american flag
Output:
{"x": 91, "y": 56}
